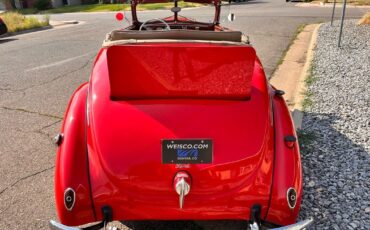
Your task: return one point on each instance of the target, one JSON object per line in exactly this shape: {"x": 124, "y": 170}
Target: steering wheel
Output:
{"x": 155, "y": 19}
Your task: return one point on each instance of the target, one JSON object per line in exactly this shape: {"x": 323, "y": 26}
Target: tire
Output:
{"x": 3, "y": 29}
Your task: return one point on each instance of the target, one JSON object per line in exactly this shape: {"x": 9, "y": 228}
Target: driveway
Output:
{"x": 39, "y": 71}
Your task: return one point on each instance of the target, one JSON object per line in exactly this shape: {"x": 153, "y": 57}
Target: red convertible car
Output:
{"x": 177, "y": 122}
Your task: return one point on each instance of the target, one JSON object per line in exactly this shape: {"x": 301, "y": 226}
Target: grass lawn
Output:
{"x": 108, "y": 7}
{"x": 17, "y": 22}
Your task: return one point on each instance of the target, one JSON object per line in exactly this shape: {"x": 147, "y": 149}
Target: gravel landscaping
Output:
{"x": 335, "y": 135}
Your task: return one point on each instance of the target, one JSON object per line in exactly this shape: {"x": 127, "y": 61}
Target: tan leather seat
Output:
{"x": 232, "y": 36}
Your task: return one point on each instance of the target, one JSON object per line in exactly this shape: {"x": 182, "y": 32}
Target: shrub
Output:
{"x": 89, "y": 2}
{"x": 17, "y": 22}
{"x": 42, "y": 4}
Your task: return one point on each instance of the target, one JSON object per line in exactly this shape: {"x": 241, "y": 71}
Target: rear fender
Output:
{"x": 287, "y": 167}
{"x": 71, "y": 169}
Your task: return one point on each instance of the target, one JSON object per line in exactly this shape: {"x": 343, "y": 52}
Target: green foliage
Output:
{"x": 308, "y": 101}
{"x": 310, "y": 78}
{"x": 89, "y": 2}
{"x": 42, "y": 4}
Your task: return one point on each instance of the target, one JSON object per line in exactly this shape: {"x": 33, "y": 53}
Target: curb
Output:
{"x": 26, "y": 31}
{"x": 62, "y": 23}
{"x": 52, "y": 24}
{"x": 297, "y": 113}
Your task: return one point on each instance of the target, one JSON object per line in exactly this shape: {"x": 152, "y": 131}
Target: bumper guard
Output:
{"x": 57, "y": 226}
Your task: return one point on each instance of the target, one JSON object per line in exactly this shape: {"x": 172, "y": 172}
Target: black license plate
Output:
{"x": 194, "y": 151}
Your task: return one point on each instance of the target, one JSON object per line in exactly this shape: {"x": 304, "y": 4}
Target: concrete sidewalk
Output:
{"x": 290, "y": 76}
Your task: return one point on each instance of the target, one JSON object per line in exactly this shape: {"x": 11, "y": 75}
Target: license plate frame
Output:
{"x": 187, "y": 151}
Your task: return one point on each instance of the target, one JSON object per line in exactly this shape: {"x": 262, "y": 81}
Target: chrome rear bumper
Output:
{"x": 53, "y": 225}
{"x": 297, "y": 226}
{"x": 57, "y": 226}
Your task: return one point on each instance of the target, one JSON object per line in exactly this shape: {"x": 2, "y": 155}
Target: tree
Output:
{"x": 11, "y": 2}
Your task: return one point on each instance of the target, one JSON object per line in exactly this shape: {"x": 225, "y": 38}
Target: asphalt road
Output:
{"x": 39, "y": 71}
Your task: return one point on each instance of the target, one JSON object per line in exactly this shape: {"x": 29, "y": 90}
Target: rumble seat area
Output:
{"x": 180, "y": 70}
{"x": 229, "y": 36}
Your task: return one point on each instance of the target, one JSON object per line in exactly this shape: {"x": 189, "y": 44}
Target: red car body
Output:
{"x": 110, "y": 155}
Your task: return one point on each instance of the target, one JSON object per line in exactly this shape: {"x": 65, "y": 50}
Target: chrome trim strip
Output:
{"x": 297, "y": 226}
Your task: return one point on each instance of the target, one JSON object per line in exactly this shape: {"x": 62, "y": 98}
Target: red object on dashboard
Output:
{"x": 120, "y": 16}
